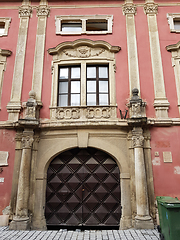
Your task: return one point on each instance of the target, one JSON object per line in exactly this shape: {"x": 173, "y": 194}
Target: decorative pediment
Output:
{"x": 83, "y": 48}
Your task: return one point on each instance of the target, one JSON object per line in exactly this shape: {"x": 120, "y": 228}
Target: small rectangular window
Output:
{"x": 2, "y": 28}
{"x": 84, "y": 24}
{"x": 174, "y": 22}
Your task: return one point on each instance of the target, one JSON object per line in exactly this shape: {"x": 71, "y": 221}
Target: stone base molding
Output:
{"x": 144, "y": 222}
{"x": 20, "y": 224}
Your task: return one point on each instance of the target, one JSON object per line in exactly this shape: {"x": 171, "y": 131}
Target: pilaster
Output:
{"x": 22, "y": 218}
{"x": 161, "y": 103}
{"x": 42, "y": 14}
{"x": 175, "y": 51}
{"x": 14, "y": 106}
{"x": 129, "y": 9}
{"x": 137, "y": 121}
{"x": 3, "y": 58}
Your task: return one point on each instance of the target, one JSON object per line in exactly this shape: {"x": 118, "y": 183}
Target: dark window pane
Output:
{"x": 91, "y": 86}
{"x": 91, "y": 72}
{"x": 103, "y": 86}
{"x": 91, "y": 99}
{"x": 75, "y": 86}
{"x": 103, "y": 72}
{"x": 103, "y": 99}
{"x": 63, "y": 100}
{"x": 96, "y": 25}
{"x": 63, "y": 73}
{"x": 63, "y": 87}
{"x": 2, "y": 27}
{"x": 75, "y": 72}
{"x": 75, "y": 99}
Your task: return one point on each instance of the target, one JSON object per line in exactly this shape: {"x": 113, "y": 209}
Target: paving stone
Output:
{"x": 64, "y": 234}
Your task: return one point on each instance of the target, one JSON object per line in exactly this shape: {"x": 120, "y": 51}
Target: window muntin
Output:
{"x": 85, "y": 24}
{"x": 69, "y": 86}
{"x": 97, "y": 85}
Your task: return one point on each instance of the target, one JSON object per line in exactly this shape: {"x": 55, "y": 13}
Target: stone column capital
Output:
{"x": 137, "y": 138}
{"x": 129, "y": 8}
{"x": 151, "y": 8}
{"x": 25, "y": 11}
{"x": 27, "y": 140}
{"x": 43, "y": 11}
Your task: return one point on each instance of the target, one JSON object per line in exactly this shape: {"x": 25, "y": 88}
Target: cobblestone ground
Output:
{"x": 64, "y": 234}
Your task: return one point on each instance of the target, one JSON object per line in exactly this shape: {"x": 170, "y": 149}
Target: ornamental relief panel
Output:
{"x": 83, "y": 52}
{"x": 85, "y": 113}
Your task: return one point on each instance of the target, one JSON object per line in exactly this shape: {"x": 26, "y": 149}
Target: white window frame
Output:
{"x": 171, "y": 18}
{"x": 83, "y": 52}
{"x": 6, "y": 27}
{"x": 83, "y": 19}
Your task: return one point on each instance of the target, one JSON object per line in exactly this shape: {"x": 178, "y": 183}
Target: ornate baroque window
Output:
{"x": 83, "y": 80}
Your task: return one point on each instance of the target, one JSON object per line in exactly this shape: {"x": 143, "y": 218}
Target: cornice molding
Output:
{"x": 129, "y": 8}
{"x": 151, "y": 8}
{"x": 83, "y": 42}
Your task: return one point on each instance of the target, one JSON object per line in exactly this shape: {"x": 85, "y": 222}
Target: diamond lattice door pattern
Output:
{"x": 83, "y": 189}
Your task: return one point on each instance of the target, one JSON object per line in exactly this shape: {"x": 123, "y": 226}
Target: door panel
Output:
{"x": 83, "y": 188}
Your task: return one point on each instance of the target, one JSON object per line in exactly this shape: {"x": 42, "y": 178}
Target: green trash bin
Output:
{"x": 169, "y": 217}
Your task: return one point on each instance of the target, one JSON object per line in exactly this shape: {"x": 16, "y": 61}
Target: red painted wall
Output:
{"x": 8, "y": 42}
{"x": 7, "y": 143}
{"x": 166, "y": 175}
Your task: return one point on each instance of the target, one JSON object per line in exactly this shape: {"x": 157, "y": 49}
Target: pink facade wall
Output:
{"x": 7, "y": 144}
{"x": 166, "y": 177}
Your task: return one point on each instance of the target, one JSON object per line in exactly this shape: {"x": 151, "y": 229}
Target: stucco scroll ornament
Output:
{"x": 27, "y": 141}
{"x": 84, "y": 52}
{"x": 138, "y": 141}
{"x": 25, "y": 11}
{"x": 129, "y": 8}
{"x": 43, "y": 11}
{"x": 151, "y": 8}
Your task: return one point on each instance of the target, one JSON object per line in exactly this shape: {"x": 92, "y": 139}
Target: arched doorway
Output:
{"x": 83, "y": 189}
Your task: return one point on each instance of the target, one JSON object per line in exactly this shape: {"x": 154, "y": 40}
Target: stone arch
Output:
{"x": 52, "y": 150}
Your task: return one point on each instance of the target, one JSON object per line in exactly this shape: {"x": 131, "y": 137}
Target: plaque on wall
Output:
{"x": 167, "y": 156}
{"x": 3, "y": 158}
